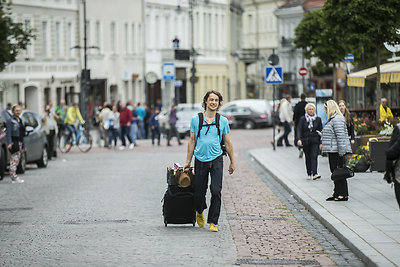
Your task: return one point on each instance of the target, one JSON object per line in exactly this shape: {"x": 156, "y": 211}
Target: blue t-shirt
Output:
{"x": 208, "y": 145}
{"x": 141, "y": 112}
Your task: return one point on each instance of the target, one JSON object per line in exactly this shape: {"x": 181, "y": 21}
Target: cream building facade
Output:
{"x": 49, "y": 69}
{"x": 164, "y": 22}
{"x": 116, "y": 45}
{"x": 260, "y": 39}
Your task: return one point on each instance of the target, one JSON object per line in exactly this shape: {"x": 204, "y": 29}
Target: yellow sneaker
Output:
{"x": 213, "y": 228}
{"x": 200, "y": 219}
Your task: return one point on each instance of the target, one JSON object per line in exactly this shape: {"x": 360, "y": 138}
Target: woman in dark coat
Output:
{"x": 393, "y": 163}
{"x": 308, "y": 136}
{"x": 15, "y": 140}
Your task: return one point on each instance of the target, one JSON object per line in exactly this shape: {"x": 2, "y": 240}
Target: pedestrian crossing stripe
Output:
{"x": 273, "y": 75}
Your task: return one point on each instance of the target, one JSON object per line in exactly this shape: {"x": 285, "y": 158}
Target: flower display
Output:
{"x": 361, "y": 160}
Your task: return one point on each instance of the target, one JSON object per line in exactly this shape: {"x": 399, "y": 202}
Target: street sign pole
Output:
{"x": 273, "y": 120}
{"x": 273, "y": 76}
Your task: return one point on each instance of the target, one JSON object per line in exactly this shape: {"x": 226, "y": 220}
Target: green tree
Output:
{"x": 13, "y": 36}
{"x": 317, "y": 39}
{"x": 365, "y": 25}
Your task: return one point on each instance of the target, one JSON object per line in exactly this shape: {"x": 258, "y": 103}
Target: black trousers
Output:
{"x": 173, "y": 132}
{"x": 397, "y": 191}
{"x": 341, "y": 188}
{"x": 202, "y": 171}
{"x": 311, "y": 155}
{"x": 50, "y": 143}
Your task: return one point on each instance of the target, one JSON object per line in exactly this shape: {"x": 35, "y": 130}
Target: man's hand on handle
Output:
{"x": 186, "y": 166}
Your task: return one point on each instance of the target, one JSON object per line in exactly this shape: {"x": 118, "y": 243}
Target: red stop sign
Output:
{"x": 303, "y": 71}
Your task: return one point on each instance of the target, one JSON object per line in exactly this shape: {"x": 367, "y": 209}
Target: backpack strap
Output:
{"x": 201, "y": 118}
{"x": 217, "y": 117}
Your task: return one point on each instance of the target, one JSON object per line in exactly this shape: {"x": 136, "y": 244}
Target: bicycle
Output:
{"x": 81, "y": 138}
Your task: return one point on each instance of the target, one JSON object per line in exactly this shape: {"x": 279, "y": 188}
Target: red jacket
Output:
{"x": 125, "y": 117}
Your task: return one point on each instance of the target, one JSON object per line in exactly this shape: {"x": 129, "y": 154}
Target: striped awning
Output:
{"x": 390, "y": 73}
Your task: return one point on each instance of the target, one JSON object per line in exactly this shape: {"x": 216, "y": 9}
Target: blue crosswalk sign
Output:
{"x": 273, "y": 75}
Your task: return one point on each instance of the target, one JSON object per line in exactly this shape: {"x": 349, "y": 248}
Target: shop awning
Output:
{"x": 390, "y": 73}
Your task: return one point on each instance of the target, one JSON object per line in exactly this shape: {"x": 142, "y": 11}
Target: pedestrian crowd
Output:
{"x": 129, "y": 122}
{"x": 334, "y": 139}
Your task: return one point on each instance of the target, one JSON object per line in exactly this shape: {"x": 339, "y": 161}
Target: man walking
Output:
{"x": 125, "y": 120}
{"x": 286, "y": 117}
{"x": 205, "y": 145}
{"x": 173, "y": 118}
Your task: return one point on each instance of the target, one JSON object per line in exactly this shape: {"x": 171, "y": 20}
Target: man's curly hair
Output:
{"x": 220, "y": 99}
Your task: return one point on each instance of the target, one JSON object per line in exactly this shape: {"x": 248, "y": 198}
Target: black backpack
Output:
{"x": 217, "y": 117}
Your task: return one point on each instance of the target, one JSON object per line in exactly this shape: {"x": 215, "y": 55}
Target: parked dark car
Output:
{"x": 248, "y": 113}
{"x": 35, "y": 140}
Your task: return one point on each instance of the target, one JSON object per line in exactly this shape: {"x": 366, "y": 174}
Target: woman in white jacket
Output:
{"x": 336, "y": 143}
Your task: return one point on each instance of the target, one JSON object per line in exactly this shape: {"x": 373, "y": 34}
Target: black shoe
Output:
{"x": 169, "y": 145}
{"x": 288, "y": 145}
{"x": 279, "y": 145}
{"x": 331, "y": 198}
{"x": 339, "y": 198}
{"x": 180, "y": 144}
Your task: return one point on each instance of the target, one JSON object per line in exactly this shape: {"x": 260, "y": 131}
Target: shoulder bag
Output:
{"x": 341, "y": 172}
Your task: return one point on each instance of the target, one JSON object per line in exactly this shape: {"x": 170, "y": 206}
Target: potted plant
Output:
{"x": 360, "y": 161}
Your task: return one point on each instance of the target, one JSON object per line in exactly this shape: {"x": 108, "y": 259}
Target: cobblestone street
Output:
{"x": 104, "y": 208}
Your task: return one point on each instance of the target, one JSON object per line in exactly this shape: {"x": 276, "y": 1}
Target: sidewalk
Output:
{"x": 369, "y": 223}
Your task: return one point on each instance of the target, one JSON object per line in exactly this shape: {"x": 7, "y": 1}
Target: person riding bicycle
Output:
{"x": 73, "y": 114}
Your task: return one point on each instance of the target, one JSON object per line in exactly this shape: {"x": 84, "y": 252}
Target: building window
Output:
{"x": 157, "y": 35}
{"x": 45, "y": 40}
{"x": 168, "y": 37}
{"x": 223, "y": 31}
{"x": 29, "y": 52}
{"x": 88, "y": 39}
{"x": 97, "y": 36}
{"x": 58, "y": 41}
{"x": 69, "y": 39}
{"x": 216, "y": 32}
{"x": 126, "y": 39}
{"x": 205, "y": 44}
{"x": 250, "y": 24}
{"x": 133, "y": 39}
{"x": 112, "y": 38}
{"x": 140, "y": 39}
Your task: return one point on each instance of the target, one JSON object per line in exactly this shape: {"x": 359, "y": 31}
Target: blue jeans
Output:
{"x": 202, "y": 170}
{"x": 311, "y": 155}
{"x": 141, "y": 131}
{"x": 133, "y": 132}
{"x": 125, "y": 131}
{"x": 284, "y": 137}
{"x": 71, "y": 129}
{"x": 112, "y": 136}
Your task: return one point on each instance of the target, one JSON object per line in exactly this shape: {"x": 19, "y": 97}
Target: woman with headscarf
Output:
{"x": 308, "y": 130}
{"x": 336, "y": 143}
{"x": 15, "y": 140}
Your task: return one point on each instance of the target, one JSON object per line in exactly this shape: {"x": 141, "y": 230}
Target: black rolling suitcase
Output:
{"x": 178, "y": 203}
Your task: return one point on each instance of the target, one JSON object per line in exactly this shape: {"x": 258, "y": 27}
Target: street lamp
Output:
{"x": 85, "y": 75}
{"x": 192, "y": 50}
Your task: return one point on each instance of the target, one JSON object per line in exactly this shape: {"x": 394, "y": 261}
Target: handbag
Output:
{"x": 14, "y": 147}
{"x": 341, "y": 172}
